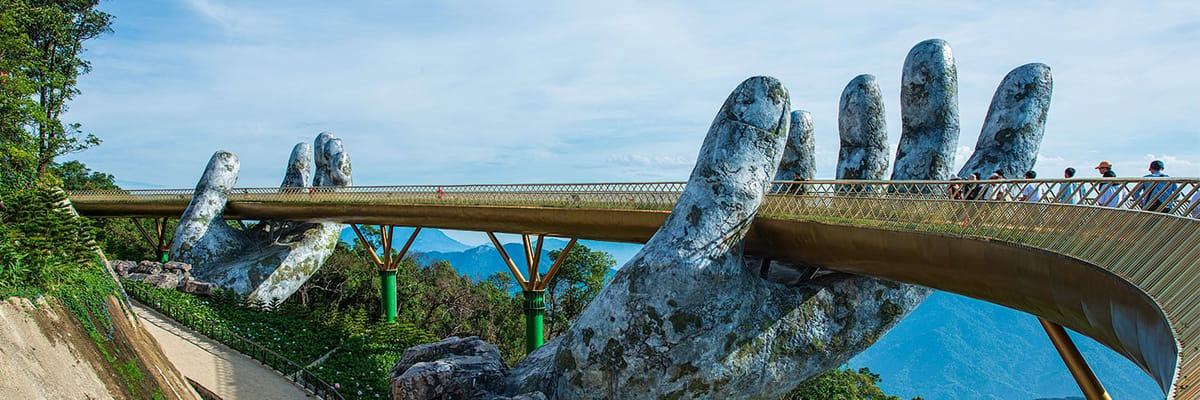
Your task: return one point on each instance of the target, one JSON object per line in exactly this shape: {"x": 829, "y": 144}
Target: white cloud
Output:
{"x": 492, "y": 91}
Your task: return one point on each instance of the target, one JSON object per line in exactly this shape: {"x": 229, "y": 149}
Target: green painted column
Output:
{"x": 164, "y": 256}
{"x": 535, "y": 310}
{"x": 387, "y": 292}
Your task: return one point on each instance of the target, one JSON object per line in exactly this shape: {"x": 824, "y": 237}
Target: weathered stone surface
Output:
{"x": 454, "y": 368}
{"x": 321, "y": 173}
{"x": 1016, "y": 120}
{"x": 685, "y": 317}
{"x": 122, "y": 267}
{"x": 165, "y": 281}
{"x": 147, "y": 267}
{"x": 197, "y": 287}
{"x": 271, "y": 261}
{"x": 300, "y": 166}
{"x": 202, "y": 237}
{"x": 339, "y": 164}
{"x": 863, "y": 129}
{"x": 177, "y": 267}
{"x": 928, "y": 112}
{"x": 137, "y": 276}
{"x": 799, "y": 156}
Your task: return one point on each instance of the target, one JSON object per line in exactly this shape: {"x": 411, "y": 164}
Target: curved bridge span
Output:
{"x": 1125, "y": 276}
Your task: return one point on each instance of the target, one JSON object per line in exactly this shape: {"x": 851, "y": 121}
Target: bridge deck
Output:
{"x": 1128, "y": 278}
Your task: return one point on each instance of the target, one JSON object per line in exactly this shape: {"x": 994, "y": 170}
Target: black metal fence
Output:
{"x": 289, "y": 369}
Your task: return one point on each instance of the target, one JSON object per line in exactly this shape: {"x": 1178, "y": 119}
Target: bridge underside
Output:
{"x": 1062, "y": 289}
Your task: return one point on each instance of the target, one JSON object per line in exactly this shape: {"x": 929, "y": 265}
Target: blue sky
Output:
{"x": 455, "y": 92}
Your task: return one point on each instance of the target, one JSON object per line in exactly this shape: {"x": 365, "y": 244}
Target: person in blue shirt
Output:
{"x": 1068, "y": 192}
{"x": 1158, "y": 196}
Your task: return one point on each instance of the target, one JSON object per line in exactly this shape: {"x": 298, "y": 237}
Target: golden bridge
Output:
{"x": 1103, "y": 264}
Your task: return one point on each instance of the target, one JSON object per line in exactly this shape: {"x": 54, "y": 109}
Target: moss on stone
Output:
{"x": 683, "y": 371}
{"x": 681, "y": 321}
{"x": 565, "y": 361}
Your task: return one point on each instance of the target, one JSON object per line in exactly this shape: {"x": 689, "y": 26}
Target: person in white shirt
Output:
{"x": 1068, "y": 192}
{"x": 1110, "y": 193}
{"x": 1033, "y": 191}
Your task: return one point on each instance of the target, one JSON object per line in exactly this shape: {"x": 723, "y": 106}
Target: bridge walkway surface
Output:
{"x": 1104, "y": 264}
{"x": 223, "y": 371}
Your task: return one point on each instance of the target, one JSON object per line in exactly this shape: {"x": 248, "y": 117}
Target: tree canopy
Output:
{"x": 41, "y": 60}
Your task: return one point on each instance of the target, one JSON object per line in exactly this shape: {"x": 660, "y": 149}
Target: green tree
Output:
{"x": 842, "y": 384}
{"x": 580, "y": 277}
{"x": 74, "y": 175}
{"x": 46, "y": 39}
{"x": 18, "y": 152}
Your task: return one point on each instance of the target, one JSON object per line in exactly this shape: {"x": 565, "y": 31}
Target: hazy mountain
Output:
{"x": 954, "y": 347}
{"x": 427, "y": 240}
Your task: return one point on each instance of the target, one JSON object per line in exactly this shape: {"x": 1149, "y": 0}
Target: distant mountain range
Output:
{"x": 951, "y": 347}
{"x": 478, "y": 262}
{"x": 955, "y": 347}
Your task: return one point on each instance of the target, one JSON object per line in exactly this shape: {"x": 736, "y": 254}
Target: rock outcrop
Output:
{"x": 271, "y": 260}
{"x": 454, "y": 368}
{"x": 1016, "y": 120}
{"x": 863, "y": 128}
{"x": 167, "y": 275}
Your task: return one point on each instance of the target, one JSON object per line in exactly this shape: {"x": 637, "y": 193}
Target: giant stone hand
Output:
{"x": 271, "y": 260}
{"x": 687, "y": 318}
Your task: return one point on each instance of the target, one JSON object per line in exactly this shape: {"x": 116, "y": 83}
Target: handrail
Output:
{"x": 1183, "y": 196}
{"x": 284, "y": 366}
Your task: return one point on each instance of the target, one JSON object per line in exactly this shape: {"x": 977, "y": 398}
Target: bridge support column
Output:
{"x": 535, "y": 311}
{"x": 534, "y": 288}
{"x": 158, "y": 241}
{"x": 387, "y": 266}
{"x": 387, "y": 288}
{"x": 1084, "y": 377}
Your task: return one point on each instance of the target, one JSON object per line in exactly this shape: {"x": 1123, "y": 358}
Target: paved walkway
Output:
{"x": 225, "y": 372}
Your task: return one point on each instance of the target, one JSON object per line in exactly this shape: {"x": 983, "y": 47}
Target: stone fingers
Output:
{"x": 1016, "y": 120}
{"x": 202, "y": 237}
{"x": 863, "y": 130}
{"x": 736, "y": 163}
{"x": 799, "y": 156}
{"x": 929, "y": 113}
{"x": 300, "y": 166}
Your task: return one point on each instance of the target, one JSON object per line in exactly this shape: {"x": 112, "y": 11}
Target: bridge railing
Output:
{"x": 1179, "y": 197}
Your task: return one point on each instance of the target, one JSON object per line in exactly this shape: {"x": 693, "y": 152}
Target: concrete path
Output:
{"x": 225, "y": 372}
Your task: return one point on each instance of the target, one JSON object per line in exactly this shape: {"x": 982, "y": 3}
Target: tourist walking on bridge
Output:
{"x": 1033, "y": 191}
{"x": 1068, "y": 192}
{"x": 1110, "y": 193}
{"x": 1158, "y": 196}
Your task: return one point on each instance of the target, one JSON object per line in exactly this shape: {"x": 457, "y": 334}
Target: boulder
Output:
{"x": 177, "y": 267}
{"x": 163, "y": 280}
{"x": 454, "y": 368}
{"x": 148, "y": 267}
{"x": 196, "y": 287}
{"x": 122, "y": 267}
